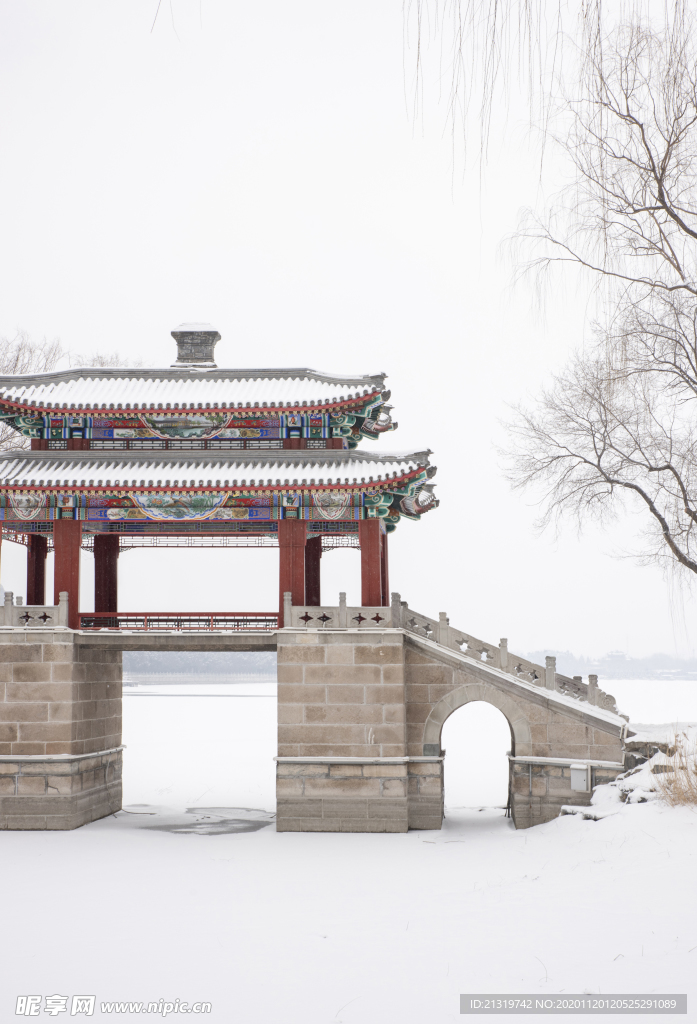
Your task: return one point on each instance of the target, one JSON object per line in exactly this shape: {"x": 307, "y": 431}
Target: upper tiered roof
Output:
{"x": 96, "y": 406}
{"x": 193, "y": 382}
{"x": 91, "y": 389}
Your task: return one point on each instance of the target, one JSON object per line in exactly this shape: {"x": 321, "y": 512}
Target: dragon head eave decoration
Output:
{"x": 411, "y": 500}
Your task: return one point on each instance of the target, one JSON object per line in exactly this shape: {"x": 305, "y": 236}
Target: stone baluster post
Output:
{"x": 550, "y": 672}
{"x": 63, "y": 608}
{"x": 287, "y": 608}
{"x": 396, "y": 607}
{"x": 503, "y": 653}
{"x": 443, "y": 633}
{"x": 343, "y": 613}
{"x": 9, "y": 608}
{"x": 592, "y": 690}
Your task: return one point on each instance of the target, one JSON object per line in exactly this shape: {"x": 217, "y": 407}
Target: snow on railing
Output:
{"x": 400, "y": 615}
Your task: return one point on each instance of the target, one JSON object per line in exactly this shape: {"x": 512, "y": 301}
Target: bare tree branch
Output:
{"x": 22, "y": 355}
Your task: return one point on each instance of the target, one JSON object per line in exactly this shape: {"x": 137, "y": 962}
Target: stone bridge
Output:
{"x": 362, "y": 697}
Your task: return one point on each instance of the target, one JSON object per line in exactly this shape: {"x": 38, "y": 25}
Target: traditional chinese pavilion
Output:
{"x": 197, "y": 455}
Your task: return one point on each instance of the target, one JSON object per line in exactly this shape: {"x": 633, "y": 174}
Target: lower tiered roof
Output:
{"x": 193, "y": 470}
{"x": 306, "y": 484}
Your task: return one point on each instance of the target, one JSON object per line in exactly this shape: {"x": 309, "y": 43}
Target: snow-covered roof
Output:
{"x": 101, "y": 388}
{"x": 205, "y": 469}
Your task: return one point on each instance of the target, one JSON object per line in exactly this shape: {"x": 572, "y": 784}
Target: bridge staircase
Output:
{"x": 441, "y": 635}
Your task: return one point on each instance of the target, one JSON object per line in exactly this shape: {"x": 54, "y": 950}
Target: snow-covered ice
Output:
{"x": 190, "y": 893}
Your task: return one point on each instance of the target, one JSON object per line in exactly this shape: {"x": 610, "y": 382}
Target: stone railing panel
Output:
{"x": 33, "y": 616}
{"x": 331, "y": 617}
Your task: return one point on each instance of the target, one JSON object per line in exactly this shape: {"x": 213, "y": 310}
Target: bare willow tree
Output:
{"x": 23, "y": 355}
{"x": 486, "y": 49}
{"x": 619, "y": 425}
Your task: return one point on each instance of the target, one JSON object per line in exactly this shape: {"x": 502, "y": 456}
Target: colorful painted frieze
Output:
{"x": 410, "y": 498}
{"x": 368, "y": 421}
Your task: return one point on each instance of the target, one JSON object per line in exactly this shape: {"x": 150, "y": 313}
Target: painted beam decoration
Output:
{"x": 367, "y": 421}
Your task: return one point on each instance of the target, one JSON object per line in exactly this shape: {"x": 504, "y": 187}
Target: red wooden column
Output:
{"x": 67, "y": 536}
{"x": 384, "y": 570}
{"x": 37, "y": 549}
{"x": 106, "y": 579}
{"x": 373, "y": 563}
{"x": 313, "y": 553}
{"x": 291, "y": 545}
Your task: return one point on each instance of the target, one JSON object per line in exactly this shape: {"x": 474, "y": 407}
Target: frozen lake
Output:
{"x": 214, "y": 744}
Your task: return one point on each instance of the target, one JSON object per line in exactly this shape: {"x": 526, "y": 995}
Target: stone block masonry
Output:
{"x": 59, "y": 793}
{"x": 60, "y": 730}
{"x": 341, "y": 732}
{"x": 538, "y": 791}
{"x": 385, "y": 795}
{"x": 341, "y": 694}
{"x": 341, "y": 797}
{"x": 426, "y": 792}
{"x": 343, "y": 764}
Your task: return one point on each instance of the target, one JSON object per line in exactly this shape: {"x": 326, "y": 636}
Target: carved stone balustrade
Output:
{"x": 332, "y": 617}
{"x": 33, "y": 616}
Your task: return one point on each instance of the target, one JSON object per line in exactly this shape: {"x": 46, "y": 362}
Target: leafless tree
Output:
{"x": 598, "y": 441}
{"x": 105, "y": 359}
{"x": 619, "y": 424}
{"x": 22, "y": 355}
{"x": 631, "y": 212}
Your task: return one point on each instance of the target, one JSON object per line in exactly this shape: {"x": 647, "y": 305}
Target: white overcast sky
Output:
{"x": 256, "y": 166}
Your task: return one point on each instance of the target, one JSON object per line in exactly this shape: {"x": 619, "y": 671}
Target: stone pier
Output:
{"x": 342, "y": 761}
{"x": 60, "y": 730}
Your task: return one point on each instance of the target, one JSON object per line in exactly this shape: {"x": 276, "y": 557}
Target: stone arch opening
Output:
{"x": 468, "y": 693}
{"x": 476, "y": 739}
{"x": 519, "y": 725}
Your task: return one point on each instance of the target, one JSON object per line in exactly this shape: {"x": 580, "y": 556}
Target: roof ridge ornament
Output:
{"x": 196, "y": 346}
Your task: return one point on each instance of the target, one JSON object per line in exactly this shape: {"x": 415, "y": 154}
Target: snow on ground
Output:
{"x": 212, "y": 904}
{"x": 315, "y": 929}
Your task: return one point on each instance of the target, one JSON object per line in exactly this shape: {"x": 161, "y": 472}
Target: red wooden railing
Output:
{"x": 179, "y": 620}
